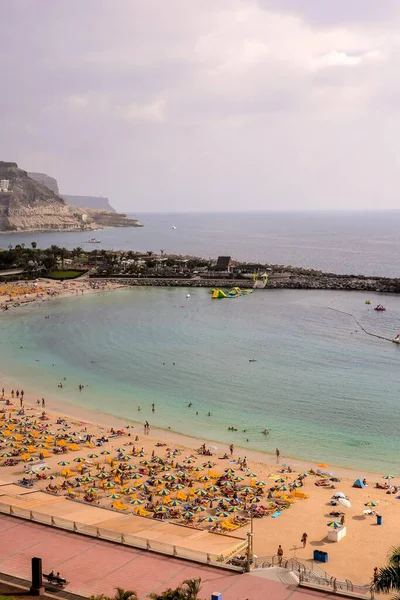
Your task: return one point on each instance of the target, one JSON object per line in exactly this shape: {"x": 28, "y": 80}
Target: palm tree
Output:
{"x": 122, "y": 594}
{"x": 34, "y": 245}
{"x": 192, "y": 588}
{"x": 388, "y": 579}
{"x": 188, "y": 590}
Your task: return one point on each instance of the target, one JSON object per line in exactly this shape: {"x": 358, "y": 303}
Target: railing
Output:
{"x": 126, "y": 539}
{"x": 314, "y": 575}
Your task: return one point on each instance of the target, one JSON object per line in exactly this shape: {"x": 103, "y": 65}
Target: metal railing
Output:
{"x": 127, "y": 539}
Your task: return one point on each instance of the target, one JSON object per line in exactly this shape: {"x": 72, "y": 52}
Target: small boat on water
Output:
{"x": 396, "y": 340}
{"x": 368, "y": 302}
{"x": 92, "y": 241}
{"x": 379, "y": 308}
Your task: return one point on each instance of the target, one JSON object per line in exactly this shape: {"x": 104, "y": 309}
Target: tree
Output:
{"x": 34, "y": 245}
{"x": 149, "y": 253}
{"x": 388, "y": 579}
{"x": 188, "y": 590}
{"x": 77, "y": 251}
{"x": 122, "y": 594}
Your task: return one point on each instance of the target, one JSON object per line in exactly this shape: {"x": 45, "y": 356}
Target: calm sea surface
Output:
{"x": 352, "y": 242}
{"x": 326, "y": 391}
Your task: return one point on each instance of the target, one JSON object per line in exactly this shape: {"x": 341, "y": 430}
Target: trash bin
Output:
{"x": 324, "y": 557}
{"x": 379, "y": 519}
{"x": 317, "y": 555}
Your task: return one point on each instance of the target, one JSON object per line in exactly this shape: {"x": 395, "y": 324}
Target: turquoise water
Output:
{"x": 326, "y": 391}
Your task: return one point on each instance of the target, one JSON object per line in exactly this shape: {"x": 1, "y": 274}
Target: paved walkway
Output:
{"x": 94, "y": 567}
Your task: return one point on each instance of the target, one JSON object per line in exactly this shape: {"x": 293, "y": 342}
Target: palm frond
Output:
{"x": 388, "y": 579}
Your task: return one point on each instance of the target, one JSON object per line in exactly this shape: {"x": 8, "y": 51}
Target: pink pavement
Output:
{"x": 93, "y": 566}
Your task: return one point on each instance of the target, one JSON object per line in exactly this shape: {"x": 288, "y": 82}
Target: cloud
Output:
{"x": 152, "y": 111}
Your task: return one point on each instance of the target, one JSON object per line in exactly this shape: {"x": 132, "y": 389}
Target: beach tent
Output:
{"x": 358, "y": 484}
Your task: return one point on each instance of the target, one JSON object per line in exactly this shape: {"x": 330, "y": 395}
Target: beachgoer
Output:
{"x": 304, "y": 539}
{"x": 364, "y": 481}
{"x": 153, "y": 407}
{"x": 280, "y": 555}
{"x": 231, "y": 449}
{"x": 139, "y": 408}
{"x": 43, "y": 403}
{"x": 278, "y": 453}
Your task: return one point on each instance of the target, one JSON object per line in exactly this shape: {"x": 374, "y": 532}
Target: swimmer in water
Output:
{"x": 266, "y": 431}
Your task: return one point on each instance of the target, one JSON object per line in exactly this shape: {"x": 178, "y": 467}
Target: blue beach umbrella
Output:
{"x": 335, "y": 524}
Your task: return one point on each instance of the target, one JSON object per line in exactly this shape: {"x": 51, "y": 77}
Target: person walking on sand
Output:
{"x": 280, "y": 555}
{"x": 278, "y": 453}
{"x": 231, "y": 449}
{"x": 304, "y": 539}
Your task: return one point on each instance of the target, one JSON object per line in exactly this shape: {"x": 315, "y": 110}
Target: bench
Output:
{"x": 58, "y": 581}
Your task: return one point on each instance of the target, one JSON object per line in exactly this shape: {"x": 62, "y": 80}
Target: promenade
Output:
{"x": 94, "y": 566}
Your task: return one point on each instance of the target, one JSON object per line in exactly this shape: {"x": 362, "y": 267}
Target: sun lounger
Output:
{"x": 276, "y": 514}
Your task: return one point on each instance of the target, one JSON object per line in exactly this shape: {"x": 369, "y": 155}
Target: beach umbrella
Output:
{"x": 114, "y": 496}
{"x": 79, "y": 459}
{"x": 45, "y": 468}
{"x": 175, "y": 503}
{"x": 198, "y": 468}
{"x": 87, "y": 479}
{"x": 212, "y": 488}
{"x": 371, "y": 504}
{"x": 204, "y": 478}
{"x": 164, "y": 492}
{"x": 92, "y": 490}
{"x": 200, "y": 492}
{"x": 222, "y": 513}
{"x": 93, "y": 456}
{"x": 226, "y": 483}
{"x": 233, "y": 509}
{"x": 334, "y": 524}
{"x": 252, "y": 475}
{"x": 261, "y": 483}
{"x": 156, "y": 482}
{"x": 135, "y": 475}
{"x": 32, "y": 459}
{"x": 229, "y": 472}
{"x": 254, "y": 499}
{"x": 161, "y": 509}
{"x": 303, "y": 475}
{"x": 31, "y": 472}
{"x": 178, "y": 486}
{"x": 5, "y": 454}
{"x": 102, "y": 475}
{"x": 170, "y": 477}
{"x": 120, "y": 450}
{"x": 280, "y": 480}
{"x": 344, "y": 502}
{"x": 139, "y": 454}
{"x": 136, "y": 502}
{"x": 388, "y": 477}
{"x": 197, "y": 509}
{"x": 283, "y": 488}
{"x": 189, "y": 460}
{"x": 295, "y": 484}
{"x": 188, "y": 514}
{"x": 247, "y": 490}
{"x": 142, "y": 486}
{"x": 129, "y": 490}
{"x": 237, "y": 478}
{"x": 125, "y": 457}
{"x": 105, "y": 452}
{"x": 50, "y": 477}
{"x": 208, "y": 519}
{"x": 208, "y": 465}
{"x": 109, "y": 485}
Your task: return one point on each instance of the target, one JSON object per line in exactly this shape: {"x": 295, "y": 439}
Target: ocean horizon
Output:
{"x": 364, "y": 242}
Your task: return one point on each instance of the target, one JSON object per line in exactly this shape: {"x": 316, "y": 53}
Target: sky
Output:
{"x": 204, "y": 105}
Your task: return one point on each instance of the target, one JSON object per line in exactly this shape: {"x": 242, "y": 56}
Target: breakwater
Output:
{"x": 296, "y": 279}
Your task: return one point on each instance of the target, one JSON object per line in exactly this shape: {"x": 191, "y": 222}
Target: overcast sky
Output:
{"x": 175, "y": 105}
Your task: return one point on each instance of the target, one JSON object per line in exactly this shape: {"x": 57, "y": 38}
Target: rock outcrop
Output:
{"x": 31, "y": 206}
{"x": 105, "y": 218}
{"x": 90, "y": 202}
{"x": 46, "y": 180}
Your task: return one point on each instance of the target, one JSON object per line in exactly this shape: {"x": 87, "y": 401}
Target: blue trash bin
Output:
{"x": 324, "y": 557}
{"x": 317, "y": 555}
{"x": 379, "y": 519}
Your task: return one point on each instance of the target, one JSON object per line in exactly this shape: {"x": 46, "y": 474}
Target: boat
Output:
{"x": 173, "y": 226}
{"x": 396, "y": 340}
{"x": 92, "y": 241}
{"x": 368, "y": 302}
{"x": 379, "y": 308}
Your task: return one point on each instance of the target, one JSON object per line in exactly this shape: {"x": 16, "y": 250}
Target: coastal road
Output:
{"x": 97, "y": 567}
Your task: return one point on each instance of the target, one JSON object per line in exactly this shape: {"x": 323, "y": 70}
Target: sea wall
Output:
{"x": 171, "y": 282}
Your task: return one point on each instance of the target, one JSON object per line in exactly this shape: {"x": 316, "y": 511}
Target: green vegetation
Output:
{"x": 388, "y": 578}
{"x": 67, "y": 274}
{"x": 188, "y": 590}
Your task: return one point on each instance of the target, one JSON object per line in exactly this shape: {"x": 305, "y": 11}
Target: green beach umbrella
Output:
{"x": 32, "y": 459}
{"x": 198, "y": 468}
{"x": 283, "y": 488}
{"x": 87, "y": 479}
{"x": 388, "y": 477}
{"x": 280, "y": 480}
{"x": 197, "y": 509}
{"x": 334, "y": 524}
{"x": 120, "y": 450}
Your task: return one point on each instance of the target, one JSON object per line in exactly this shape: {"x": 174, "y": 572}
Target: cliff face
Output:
{"x": 45, "y": 180}
{"x": 30, "y": 206}
{"x": 92, "y": 202}
{"x": 104, "y": 218}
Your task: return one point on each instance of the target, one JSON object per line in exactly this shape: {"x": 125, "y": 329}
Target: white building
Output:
{"x": 4, "y": 183}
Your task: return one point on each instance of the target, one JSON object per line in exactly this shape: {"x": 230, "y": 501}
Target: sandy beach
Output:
{"x": 366, "y": 542}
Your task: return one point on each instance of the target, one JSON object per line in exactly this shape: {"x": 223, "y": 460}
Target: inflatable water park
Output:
{"x": 233, "y": 293}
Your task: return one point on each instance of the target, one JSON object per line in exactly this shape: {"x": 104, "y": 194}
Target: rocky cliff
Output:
{"x": 31, "y": 206}
{"x": 45, "y": 180}
{"x": 92, "y": 202}
{"x": 105, "y": 218}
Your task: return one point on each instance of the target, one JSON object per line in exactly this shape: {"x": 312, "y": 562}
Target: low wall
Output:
{"x": 200, "y": 283}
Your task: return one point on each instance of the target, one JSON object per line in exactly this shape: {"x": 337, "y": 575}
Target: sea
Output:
{"x": 291, "y": 361}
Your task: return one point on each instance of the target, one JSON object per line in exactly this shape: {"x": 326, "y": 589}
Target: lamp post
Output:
{"x": 250, "y": 536}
